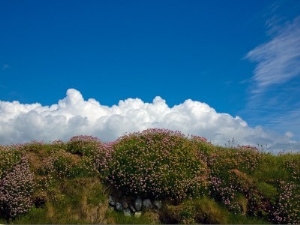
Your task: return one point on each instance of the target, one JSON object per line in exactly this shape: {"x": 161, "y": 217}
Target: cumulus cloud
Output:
{"x": 73, "y": 115}
{"x": 279, "y": 59}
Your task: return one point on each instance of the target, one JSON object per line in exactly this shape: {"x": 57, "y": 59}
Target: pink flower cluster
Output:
{"x": 243, "y": 159}
{"x": 225, "y": 185}
{"x": 156, "y": 163}
{"x": 225, "y": 191}
{"x": 293, "y": 166}
{"x": 16, "y": 188}
{"x": 97, "y": 154}
{"x": 288, "y": 206}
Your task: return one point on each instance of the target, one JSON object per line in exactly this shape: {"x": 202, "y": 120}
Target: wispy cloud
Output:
{"x": 273, "y": 98}
{"x": 74, "y": 116}
{"x": 278, "y": 60}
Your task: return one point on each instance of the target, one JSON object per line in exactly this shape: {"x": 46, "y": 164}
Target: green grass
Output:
{"x": 145, "y": 218}
{"x": 72, "y": 181}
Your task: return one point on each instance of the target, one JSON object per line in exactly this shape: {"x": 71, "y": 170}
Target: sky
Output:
{"x": 224, "y": 70}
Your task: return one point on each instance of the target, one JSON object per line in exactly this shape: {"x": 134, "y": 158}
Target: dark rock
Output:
{"x": 147, "y": 204}
{"x": 132, "y": 208}
{"x": 111, "y": 200}
{"x": 119, "y": 206}
{"x": 138, "y": 204}
{"x": 124, "y": 204}
{"x": 157, "y": 204}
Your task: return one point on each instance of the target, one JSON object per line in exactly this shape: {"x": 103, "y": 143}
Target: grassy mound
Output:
{"x": 157, "y": 164}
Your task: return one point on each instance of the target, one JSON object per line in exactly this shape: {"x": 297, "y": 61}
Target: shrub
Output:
{"x": 224, "y": 190}
{"x": 16, "y": 189}
{"x": 292, "y": 166}
{"x": 267, "y": 190}
{"x": 33, "y": 146}
{"x": 96, "y": 153}
{"x": 288, "y": 205}
{"x": 102, "y": 158}
{"x": 244, "y": 159}
{"x": 157, "y": 163}
{"x": 83, "y": 145}
{"x": 62, "y": 165}
{"x": 8, "y": 159}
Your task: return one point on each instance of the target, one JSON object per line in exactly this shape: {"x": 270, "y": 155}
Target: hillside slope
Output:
{"x": 195, "y": 181}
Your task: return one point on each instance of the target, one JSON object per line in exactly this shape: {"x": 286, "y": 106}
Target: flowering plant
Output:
{"x": 16, "y": 188}
{"x": 157, "y": 163}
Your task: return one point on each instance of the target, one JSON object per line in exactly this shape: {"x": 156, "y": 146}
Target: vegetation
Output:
{"x": 147, "y": 164}
{"x": 69, "y": 182}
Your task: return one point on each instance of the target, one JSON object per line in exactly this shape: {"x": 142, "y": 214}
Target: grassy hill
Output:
{"x": 197, "y": 182}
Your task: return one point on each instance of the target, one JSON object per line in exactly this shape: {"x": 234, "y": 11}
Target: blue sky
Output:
{"x": 241, "y": 59}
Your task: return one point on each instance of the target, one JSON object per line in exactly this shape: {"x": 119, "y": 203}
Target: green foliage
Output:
{"x": 288, "y": 205}
{"x": 233, "y": 180}
{"x": 95, "y": 153}
{"x": 208, "y": 211}
{"x": 34, "y": 147}
{"x": 157, "y": 163}
{"x": 244, "y": 219}
{"x": 61, "y": 179}
{"x": 64, "y": 165}
{"x": 198, "y": 210}
{"x": 243, "y": 159}
{"x": 16, "y": 188}
{"x": 197, "y": 181}
{"x": 120, "y": 218}
{"x": 33, "y": 216}
{"x": 292, "y": 165}
{"x": 83, "y": 145}
{"x": 80, "y": 200}
{"x": 271, "y": 169}
{"x": 97, "y": 194}
{"x": 267, "y": 190}
{"x": 9, "y": 157}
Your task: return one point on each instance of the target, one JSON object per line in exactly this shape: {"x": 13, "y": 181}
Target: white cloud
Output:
{"x": 279, "y": 59}
{"x": 273, "y": 100}
{"x": 75, "y": 116}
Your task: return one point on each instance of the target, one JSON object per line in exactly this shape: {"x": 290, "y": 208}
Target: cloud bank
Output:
{"x": 73, "y": 115}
